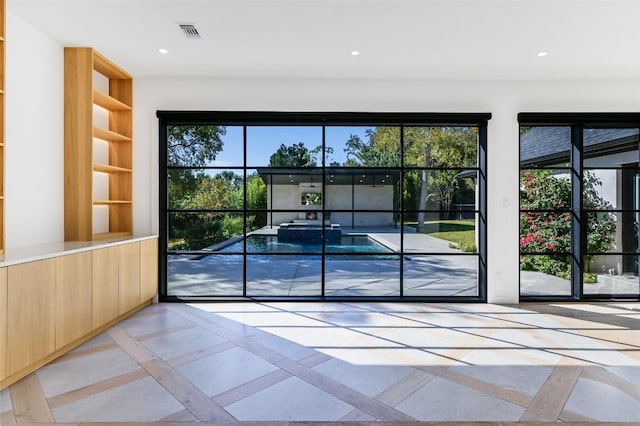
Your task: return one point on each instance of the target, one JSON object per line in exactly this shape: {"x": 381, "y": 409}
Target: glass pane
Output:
{"x": 440, "y": 147}
{"x": 298, "y": 218}
{"x": 448, "y": 190}
{"x": 204, "y": 275}
{"x": 612, "y": 189}
{"x": 610, "y": 147}
{"x": 441, "y": 236}
{"x": 292, "y": 189}
{"x": 545, "y": 275}
{"x": 289, "y": 239}
{"x": 542, "y": 146}
{"x": 361, "y": 244}
{"x": 548, "y": 189}
{"x": 441, "y": 276}
{"x": 610, "y": 231}
{"x": 284, "y": 146}
{"x": 210, "y": 145}
{"x": 281, "y": 275}
{"x": 200, "y": 231}
{"x": 611, "y": 274}
{"x": 197, "y": 189}
{"x": 352, "y": 146}
{"x": 362, "y": 275}
{"x": 545, "y": 232}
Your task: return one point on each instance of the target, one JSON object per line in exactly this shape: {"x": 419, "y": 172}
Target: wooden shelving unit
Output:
{"x": 89, "y": 216}
{"x": 2, "y": 132}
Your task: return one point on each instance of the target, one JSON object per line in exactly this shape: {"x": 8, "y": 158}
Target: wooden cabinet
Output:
{"x": 98, "y": 159}
{"x": 3, "y": 323}
{"x": 73, "y": 297}
{"x": 2, "y": 131}
{"x": 49, "y": 306}
{"x": 148, "y": 269}
{"x": 30, "y": 313}
{"x": 128, "y": 277}
{"x": 104, "y": 285}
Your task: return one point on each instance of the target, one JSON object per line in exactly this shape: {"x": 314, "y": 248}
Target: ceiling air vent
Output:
{"x": 189, "y": 30}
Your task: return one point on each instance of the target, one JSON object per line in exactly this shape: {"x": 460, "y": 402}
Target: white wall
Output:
{"x": 34, "y": 179}
{"x": 34, "y": 132}
{"x": 503, "y": 99}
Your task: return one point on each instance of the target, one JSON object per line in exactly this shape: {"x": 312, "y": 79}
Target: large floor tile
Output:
{"x": 526, "y": 380}
{"x": 5, "y": 401}
{"x": 363, "y": 319}
{"x": 143, "y": 324}
{"x": 441, "y": 400}
{"x": 75, "y": 373}
{"x": 292, "y": 400}
{"x": 225, "y": 370}
{"x": 265, "y": 319}
{"x": 328, "y": 337}
{"x": 602, "y": 402}
{"x": 401, "y": 356}
{"x": 139, "y": 401}
{"x": 172, "y": 345}
{"x": 438, "y": 338}
{"x": 369, "y": 380}
{"x": 285, "y": 347}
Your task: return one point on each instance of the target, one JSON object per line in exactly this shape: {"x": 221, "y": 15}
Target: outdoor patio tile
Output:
{"x": 142, "y": 400}
{"x": 602, "y": 402}
{"x": 292, "y": 400}
{"x": 441, "y": 400}
{"x": 222, "y": 371}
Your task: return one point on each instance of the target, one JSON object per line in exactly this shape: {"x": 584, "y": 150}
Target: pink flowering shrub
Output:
{"x": 550, "y": 232}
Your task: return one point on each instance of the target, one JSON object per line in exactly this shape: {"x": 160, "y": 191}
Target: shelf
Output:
{"x": 108, "y": 135}
{"x": 106, "y": 168}
{"x": 108, "y": 235}
{"x": 108, "y": 202}
{"x": 107, "y": 102}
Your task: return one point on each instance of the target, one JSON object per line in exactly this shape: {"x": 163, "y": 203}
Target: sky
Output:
{"x": 262, "y": 141}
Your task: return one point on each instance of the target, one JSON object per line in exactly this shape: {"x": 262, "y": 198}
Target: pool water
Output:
{"x": 360, "y": 244}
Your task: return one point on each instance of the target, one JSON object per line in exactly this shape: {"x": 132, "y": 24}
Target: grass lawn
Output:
{"x": 460, "y": 232}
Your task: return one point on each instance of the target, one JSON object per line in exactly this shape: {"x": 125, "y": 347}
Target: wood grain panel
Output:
{"x": 148, "y": 269}
{"x": 73, "y": 297}
{"x": 78, "y": 140}
{"x": 30, "y": 312}
{"x": 3, "y": 323}
{"x": 104, "y": 285}
{"x": 128, "y": 277}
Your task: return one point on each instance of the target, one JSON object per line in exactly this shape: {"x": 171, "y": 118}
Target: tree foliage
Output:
{"x": 549, "y": 230}
{"x": 295, "y": 155}
{"x": 194, "y": 145}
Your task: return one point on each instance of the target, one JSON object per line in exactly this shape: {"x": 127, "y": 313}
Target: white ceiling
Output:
{"x": 422, "y": 39}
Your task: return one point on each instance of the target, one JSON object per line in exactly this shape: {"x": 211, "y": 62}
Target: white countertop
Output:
{"x": 17, "y": 255}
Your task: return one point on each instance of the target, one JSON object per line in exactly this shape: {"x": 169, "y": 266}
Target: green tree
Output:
{"x": 256, "y": 200}
{"x": 295, "y": 155}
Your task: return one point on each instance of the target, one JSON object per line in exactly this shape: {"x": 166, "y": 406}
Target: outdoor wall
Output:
{"x": 34, "y": 179}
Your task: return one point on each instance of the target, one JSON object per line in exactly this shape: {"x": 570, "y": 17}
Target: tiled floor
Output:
{"x": 364, "y": 362}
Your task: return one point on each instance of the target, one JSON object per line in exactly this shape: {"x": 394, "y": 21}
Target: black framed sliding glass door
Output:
{"x": 579, "y": 209}
{"x": 322, "y": 206}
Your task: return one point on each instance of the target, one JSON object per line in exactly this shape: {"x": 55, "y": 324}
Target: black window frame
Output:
{"x": 578, "y": 123}
{"x": 400, "y": 120}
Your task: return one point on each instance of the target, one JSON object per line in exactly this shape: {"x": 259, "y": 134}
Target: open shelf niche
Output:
{"x": 98, "y": 147}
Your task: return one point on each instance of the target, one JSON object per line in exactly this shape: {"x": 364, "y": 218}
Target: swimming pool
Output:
{"x": 359, "y": 244}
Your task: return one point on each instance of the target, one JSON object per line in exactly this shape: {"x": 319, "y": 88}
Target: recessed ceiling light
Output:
{"x": 355, "y": 52}
{"x": 163, "y": 51}
{"x": 541, "y": 54}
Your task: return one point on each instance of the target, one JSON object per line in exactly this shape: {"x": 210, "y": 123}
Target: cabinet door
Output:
{"x": 128, "y": 277}
{"x": 31, "y": 313}
{"x": 104, "y": 285}
{"x": 3, "y": 323}
{"x": 148, "y": 269}
{"x": 73, "y": 297}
